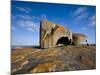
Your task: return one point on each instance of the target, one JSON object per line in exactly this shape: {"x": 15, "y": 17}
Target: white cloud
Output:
{"x": 92, "y": 24}
{"x": 92, "y": 21}
{"x": 26, "y": 21}
{"x": 93, "y": 17}
{"x": 30, "y": 29}
{"x": 33, "y": 25}
{"x": 13, "y": 28}
{"x": 25, "y": 17}
{"x": 81, "y": 17}
{"x": 84, "y": 28}
{"x": 29, "y": 25}
{"x": 20, "y": 23}
{"x": 13, "y": 17}
{"x": 25, "y": 9}
{"x": 36, "y": 17}
{"x": 43, "y": 17}
{"x": 79, "y": 11}
{"x": 28, "y": 17}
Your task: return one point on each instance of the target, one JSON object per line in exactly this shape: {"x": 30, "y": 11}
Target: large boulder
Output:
{"x": 50, "y": 33}
{"x": 78, "y": 37}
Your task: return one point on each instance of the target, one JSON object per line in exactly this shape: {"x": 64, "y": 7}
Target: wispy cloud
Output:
{"x": 92, "y": 21}
{"x": 28, "y": 17}
{"x": 24, "y": 9}
{"x": 84, "y": 28}
{"x": 80, "y": 15}
{"x": 29, "y": 25}
{"x": 25, "y": 17}
{"x": 26, "y": 22}
{"x": 13, "y": 17}
{"x": 93, "y": 17}
{"x": 43, "y": 17}
{"x": 79, "y": 11}
{"x": 13, "y": 28}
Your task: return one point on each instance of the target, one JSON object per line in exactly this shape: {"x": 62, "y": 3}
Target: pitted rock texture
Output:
{"x": 50, "y": 33}
{"x": 65, "y": 58}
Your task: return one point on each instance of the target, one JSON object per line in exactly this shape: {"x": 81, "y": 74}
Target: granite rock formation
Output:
{"x": 52, "y": 35}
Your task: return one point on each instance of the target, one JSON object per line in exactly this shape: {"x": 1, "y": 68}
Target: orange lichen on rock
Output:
{"x": 50, "y": 33}
{"x": 47, "y": 67}
{"x": 61, "y": 28}
{"x": 65, "y": 58}
{"x": 78, "y": 37}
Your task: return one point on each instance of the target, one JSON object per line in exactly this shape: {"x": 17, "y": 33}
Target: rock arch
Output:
{"x": 50, "y": 33}
{"x": 63, "y": 41}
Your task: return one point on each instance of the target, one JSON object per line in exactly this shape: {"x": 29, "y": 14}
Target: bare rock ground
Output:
{"x": 65, "y": 58}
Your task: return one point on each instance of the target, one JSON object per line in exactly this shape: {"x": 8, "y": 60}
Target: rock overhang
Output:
{"x": 50, "y": 33}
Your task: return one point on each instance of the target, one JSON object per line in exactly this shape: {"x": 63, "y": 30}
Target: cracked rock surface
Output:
{"x": 65, "y": 58}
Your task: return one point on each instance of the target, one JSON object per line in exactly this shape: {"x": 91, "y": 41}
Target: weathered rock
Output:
{"x": 65, "y": 58}
{"x": 51, "y": 35}
{"x": 77, "y": 38}
{"x": 32, "y": 62}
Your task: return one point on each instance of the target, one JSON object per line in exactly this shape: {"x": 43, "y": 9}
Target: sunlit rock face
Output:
{"x": 52, "y": 35}
{"x": 77, "y": 38}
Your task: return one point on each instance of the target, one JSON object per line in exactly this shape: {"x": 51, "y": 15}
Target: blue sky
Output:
{"x": 26, "y": 16}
